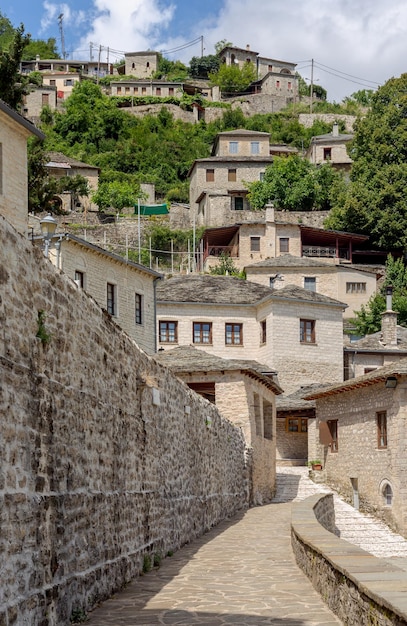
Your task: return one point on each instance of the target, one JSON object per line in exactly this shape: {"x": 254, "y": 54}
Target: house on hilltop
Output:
{"x": 245, "y": 393}
{"x": 292, "y": 330}
{"x": 141, "y": 64}
{"x": 14, "y": 132}
{"x": 218, "y": 190}
{"x": 58, "y": 165}
{"x": 332, "y": 148}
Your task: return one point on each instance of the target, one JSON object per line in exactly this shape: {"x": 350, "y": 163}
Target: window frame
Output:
{"x": 263, "y": 332}
{"x": 312, "y": 283}
{"x": 301, "y": 422}
{"x": 200, "y": 332}
{"x": 381, "y": 425}
{"x": 111, "y": 299}
{"x": 356, "y": 287}
{"x": 165, "y": 330}
{"x": 233, "y": 330}
{"x": 238, "y": 200}
{"x": 333, "y": 429}
{"x": 138, "y": 309}
{"x": 210, "y": 175}
{"x": 284, "y": 244}
{"x": 307, "y": 329}
{"x": 255, "y": 147}
{"x": 255, "y": 244}
{"x": 80, "y": 278}
{"x": 327, "y": 154}
{"x": 233, "y": 147}
{"x": 232, "y": 175}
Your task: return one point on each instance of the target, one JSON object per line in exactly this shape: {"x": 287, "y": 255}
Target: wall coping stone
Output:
{"x": 378, "y": 585}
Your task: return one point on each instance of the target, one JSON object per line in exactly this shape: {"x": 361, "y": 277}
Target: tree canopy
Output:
{"x": 376, "y": 203}
{"x": 11, "y": 87}
{"x": 293, "y": 183}
{"x": 368, "y": 319}
{"x": 231, "y": 79}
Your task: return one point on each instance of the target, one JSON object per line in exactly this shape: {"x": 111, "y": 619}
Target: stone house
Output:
{"x": 245, "y": 393}
{"x": 353, "y": 284}
{"x": 359, "y": 435}
{"x": 125, "y": 289}
{"x": 141, "y": 64}
{"x": 332, "y": 148}
{"x": 233, "y": 55}
{"x": 64, "y": 82}
{"x": 292, "y": 330}
{"x": 156, "y": 88}
{"x": 59, "y": 165}
{"x": 92, "y": 68}
{"x": 14, "y": 132}
{"x": 218, "y": 191}
{"x": 389, "y": 345}
{"x": 36, "y": 100}
{"x": 253, "y": 241}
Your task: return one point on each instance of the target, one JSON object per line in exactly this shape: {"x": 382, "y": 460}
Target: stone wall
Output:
{"x": 350, "y": 580}
{"x": 101, "y": 464}
{"x": 307, "y": 119}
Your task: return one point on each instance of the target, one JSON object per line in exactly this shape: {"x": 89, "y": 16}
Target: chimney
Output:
{"x": 270, "y": 213}
{"x": 247, "y": 46}
{"x": 335, "y": 130}
{"x": 389, "y": 320}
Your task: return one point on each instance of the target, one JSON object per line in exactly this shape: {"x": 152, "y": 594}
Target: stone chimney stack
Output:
{"x": 335, "y": 130}
{"x": 270, "y": 213}
{"x": 247, "y": 46}
{"x": 389, "y": 320}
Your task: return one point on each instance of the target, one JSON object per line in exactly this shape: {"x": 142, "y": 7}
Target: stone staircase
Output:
{"x": 365, "y": 531}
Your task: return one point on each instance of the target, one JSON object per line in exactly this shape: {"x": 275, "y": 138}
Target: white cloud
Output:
{"x": 364, "y": 39}
{"x": 127, "y": 25}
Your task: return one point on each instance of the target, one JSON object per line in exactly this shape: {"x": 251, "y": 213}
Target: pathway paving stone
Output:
{"x": 243, "y": 572}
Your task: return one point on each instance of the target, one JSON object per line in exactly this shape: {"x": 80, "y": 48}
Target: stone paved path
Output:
{"x": 243, "y": 572}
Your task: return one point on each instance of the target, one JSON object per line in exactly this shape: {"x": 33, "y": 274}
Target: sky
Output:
{"x": 351, "y": 44}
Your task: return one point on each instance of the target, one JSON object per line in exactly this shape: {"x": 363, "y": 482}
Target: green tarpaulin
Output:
{"x": 151, "y": 209}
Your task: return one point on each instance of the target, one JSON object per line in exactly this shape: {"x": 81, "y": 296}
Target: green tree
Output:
{"x": 201, "y": 67}
{"x": 363, "y": 97}
{"x": 44, "y": 49}
{"x": 223, "y": 43}
{"x": 6, "y": 32}
{"x": 226, "y": 267}
{"x": 11, "y": 86}
{"x": 368, "y": 319}
{"x": 170, "y": 70}
{"x": 376, "y": 202}
{"x": 294, "y": 184}
{"x": 231, "y": 79}
{"x": 116, "y": 195}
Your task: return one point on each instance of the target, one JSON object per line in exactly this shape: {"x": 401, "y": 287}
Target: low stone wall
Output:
{"x": 357, "y": 586}
{"x": 107, "y": 460}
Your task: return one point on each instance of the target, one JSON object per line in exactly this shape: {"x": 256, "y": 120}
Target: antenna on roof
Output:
{"x": 61, "y": 31}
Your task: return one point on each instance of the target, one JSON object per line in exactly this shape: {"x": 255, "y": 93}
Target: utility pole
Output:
{"x": 91, "y": 52}
{"x": 98, "y": 74}
{"x": 202, "y": 46}
{"x": 61, "y": 32}
{"x": 311, "y": 85}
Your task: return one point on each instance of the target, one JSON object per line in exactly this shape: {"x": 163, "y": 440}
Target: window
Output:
{"x": 278, "y": 84}
{"x": 111, "y": 299}
{"x": 232, "y": 176}
{"x": 135, "y": 90}
{"x": 45, "y": 99}
{"x": 296, "y": 425}
{"x": 284, "y": 244}
{"x": 202, "y": 332}
{"x": 387, "y": 492}
{"x": 144, "y": 90}
{"x": 233, "y": 147}
{"x": 327, "y": 154}
{"x": 270, "y": 68}
{"x": 355, "y": 287}
{"x": 263, "y": 331}
{"x": 119, "y": 90}
{"x": 255, "y": 244}
{"x": 168, "y": 332}
{"x": 52, "y": 82}
{"x": 210, "y": 176}
{"x": 381, "y": 420}
{"x": 261, "y": 176}
{"x": 254, "y": 147}
{"x": 333, "y": 429}
{"x": 158, "y": 91}
{"x": 170, "y": 91}
{"x": 268, "y": 419}
{"x": 310, "y": 283}
{"x": 127, "y": 89}
{"x": 80, "y": 278}
{"x": 289, "y": 85}
{"x": 68, "y": 82}
{"x": 257, "y": 415}
{"x": 238, "y": 203}
{"x": 307, "y": 331}
{"x": 233, "y": 334}
{"x": 148, "y": 64}
{"x": 139, "y": 308}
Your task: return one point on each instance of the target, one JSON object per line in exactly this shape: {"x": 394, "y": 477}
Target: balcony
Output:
{"x": 325, "y": 251}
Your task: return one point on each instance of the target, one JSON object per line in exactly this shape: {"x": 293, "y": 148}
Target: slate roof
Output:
{"x": 379, "y": 375}
{"x": 21, "y": 120}
{"x": 374, "y": 343}
{"x": 295, "y": 401}
{"x": 187, "y": 359}
{"x": 288, "y": 260}
{"x": 56, "y": 158}
{"x": 208, "y": 289}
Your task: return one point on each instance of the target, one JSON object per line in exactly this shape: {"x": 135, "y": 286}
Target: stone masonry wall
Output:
{"x": 101, "y": 465}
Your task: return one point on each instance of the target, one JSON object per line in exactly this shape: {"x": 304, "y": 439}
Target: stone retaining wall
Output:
{"x": 106, "y": 459}
{"x": 357, "y": 586}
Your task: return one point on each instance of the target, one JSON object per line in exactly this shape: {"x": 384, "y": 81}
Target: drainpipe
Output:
{"x": 155, "y": 312}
